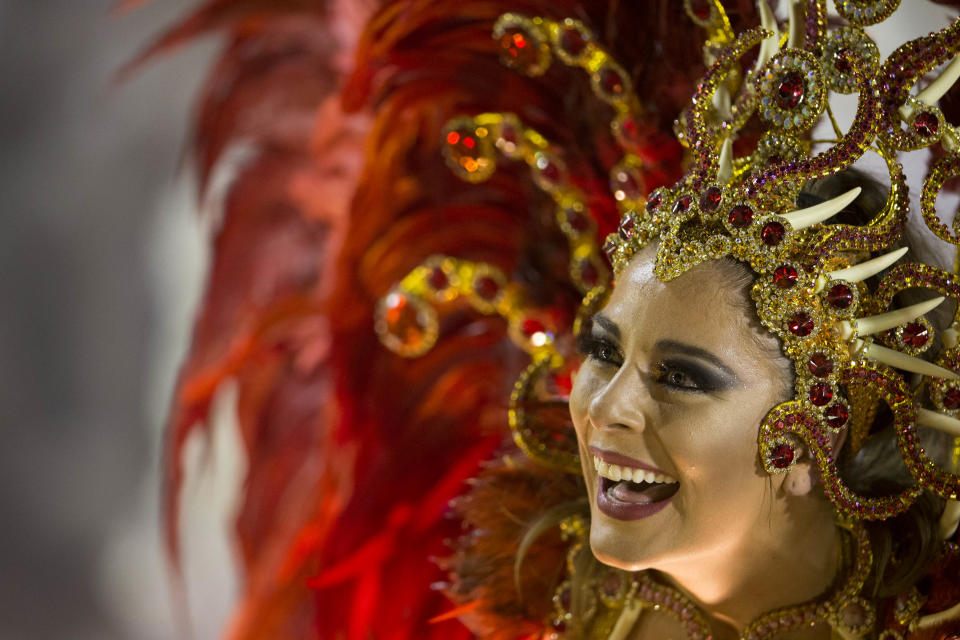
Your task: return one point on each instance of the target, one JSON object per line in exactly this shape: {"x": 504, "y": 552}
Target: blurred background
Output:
{"x": 102, "y": 258}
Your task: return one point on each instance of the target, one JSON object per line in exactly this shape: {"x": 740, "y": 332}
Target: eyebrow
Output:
{"x": 695, "y": 352}
{"x": 607, "y": 324}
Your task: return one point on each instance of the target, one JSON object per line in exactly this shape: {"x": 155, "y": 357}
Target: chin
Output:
{"x": 614, "y": 545}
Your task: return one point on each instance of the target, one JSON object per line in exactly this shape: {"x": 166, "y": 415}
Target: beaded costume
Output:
{"x": 434, "y": 270}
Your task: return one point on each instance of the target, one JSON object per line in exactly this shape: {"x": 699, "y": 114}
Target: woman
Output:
{"x": 764, "y": 452}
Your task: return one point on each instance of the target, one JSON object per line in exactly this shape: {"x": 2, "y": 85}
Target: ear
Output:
{"x": 804, "y": 475}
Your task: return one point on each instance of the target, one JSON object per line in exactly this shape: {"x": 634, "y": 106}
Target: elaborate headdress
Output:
{"x": 854, "y": 358}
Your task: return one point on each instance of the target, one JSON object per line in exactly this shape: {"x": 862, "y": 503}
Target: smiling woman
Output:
{"x": 763, "y": 418}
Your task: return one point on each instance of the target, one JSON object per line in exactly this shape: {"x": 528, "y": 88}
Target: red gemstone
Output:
{"x": 612, "y": 582}
{"x": 821, "y": 394}
{"x": 486, "y": 287}
{"x": 682, "y": 204}
{"x": 655, "y": 200}
{"x": 530, "y": 326}
{"x": 629, "y": 133}
{"x": 710, "y": 199}
{"x": 840, "y": 296}
{"x": 785, "y": 276}
{"x": 772, "y": 233}
{"x": 837, "y": 415}
{"x": 951, "y": 399}
{"x": 741, "y": 216}
{"x": 576, "y": 219}
{"x": 800, "y": 324}
{"x": 611, "y": 81}
{"x": 926, "y": 124}
{"x": 518, "y": 48}
{"x": 626, "y": 228}
{"x": 404, "y": 321}
{"x": 790, "y": 90}
{"x": 915, "y": 335}
{"x": 843, "y": 60}
{"x": 571, "y": 41}
{"x": 820, "y": 365}
{"x": 610, "y": 246}
{"x": 437, "y": 279}
{"x": 548, "y": 169}
{"x": 781, "y": 456}
{"x": 589, "y": 273}
{"x": 700, "y": 8}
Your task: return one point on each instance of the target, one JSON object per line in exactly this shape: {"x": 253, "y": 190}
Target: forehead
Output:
{"x": 702, "y": 307}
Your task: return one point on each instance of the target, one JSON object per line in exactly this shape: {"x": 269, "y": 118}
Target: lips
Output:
{"x": 628, "y": 489}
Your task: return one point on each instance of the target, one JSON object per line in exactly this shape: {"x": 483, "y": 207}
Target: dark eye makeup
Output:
{"x": 599, "y": 349}
{"x": 600, "y": 343}
{"x": 685, "y": 377}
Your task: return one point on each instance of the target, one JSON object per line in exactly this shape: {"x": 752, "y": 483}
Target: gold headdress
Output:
{"x": 849, "y": 351}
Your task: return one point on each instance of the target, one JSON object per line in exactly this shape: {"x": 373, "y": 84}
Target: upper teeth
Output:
{"x": 617, "y": 473}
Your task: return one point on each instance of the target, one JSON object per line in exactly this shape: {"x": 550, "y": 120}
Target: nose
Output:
{"x": 622, "y": 403}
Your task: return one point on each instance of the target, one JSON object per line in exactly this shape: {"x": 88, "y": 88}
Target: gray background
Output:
{"x": 99, "y": 265}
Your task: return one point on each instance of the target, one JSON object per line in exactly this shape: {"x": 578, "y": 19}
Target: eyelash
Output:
{"x": 693, "y": 383}
{"x": 599, "y": 350}
{"x": 671, "y": 375}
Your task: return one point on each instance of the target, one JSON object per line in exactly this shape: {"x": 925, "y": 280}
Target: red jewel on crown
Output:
{"x": 800, "y": 324}
{"x": 772, "y": 233}
{"x": 740, "y": 216}
{"x": 781, "y": 456}
{"x": 791, "y": 89}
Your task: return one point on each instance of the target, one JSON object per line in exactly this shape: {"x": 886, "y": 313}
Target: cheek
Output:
{"x": 580, "y": 396}
{"x": 723, "y": 449}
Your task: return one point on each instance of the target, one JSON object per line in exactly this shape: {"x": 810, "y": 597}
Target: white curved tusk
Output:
{"x": 867, "y": 268}
{"x": 901, "y": 360}
{"x": 949, "y": 336}
{"x": 803, "y": 218}
{"x": 726, "y": 162}
{"x": 769, "y": 45}
{"x": 797, "y": 28}
{"x": 938, "y": 421}
{"x": 949, "y": 519}
{"x": 941, "y": 83}
{"x": 935, "y": 90}
{"x": 940, "y": 617}
{"x": 626, "y": 620}
{"x": 721, "y": 102}
{"x": 882, "y": 322}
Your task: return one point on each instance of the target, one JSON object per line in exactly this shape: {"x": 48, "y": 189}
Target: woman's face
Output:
{"x": 675, "y": 381}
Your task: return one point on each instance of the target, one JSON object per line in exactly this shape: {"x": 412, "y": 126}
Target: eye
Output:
{"x": 599, "y": 349}
{"x": 678, "y": 377}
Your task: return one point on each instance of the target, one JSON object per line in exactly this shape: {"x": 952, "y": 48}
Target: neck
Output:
{"x": 770, "y": 570}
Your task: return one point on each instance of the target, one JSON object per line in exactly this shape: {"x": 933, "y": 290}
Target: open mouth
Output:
{"x": 630, "y": 493}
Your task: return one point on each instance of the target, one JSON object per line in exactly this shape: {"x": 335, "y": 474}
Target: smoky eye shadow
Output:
{"x": 706, "y": 377}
